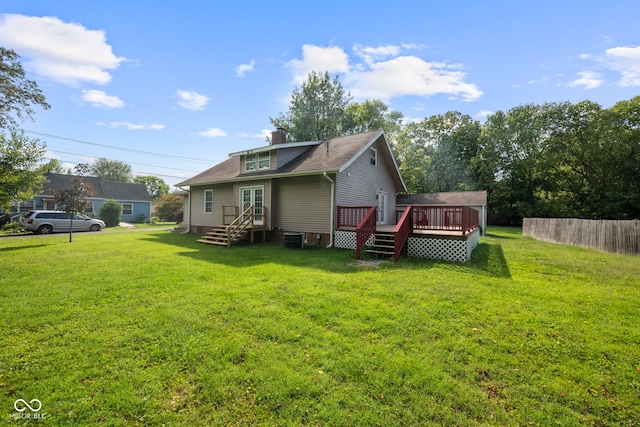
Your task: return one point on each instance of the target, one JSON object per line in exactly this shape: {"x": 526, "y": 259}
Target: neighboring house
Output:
{"x": 134, "y": 198}
{"x": 339, "y": 192}
{"x": 473, "y": 199}
{"x": 295, "y": 187}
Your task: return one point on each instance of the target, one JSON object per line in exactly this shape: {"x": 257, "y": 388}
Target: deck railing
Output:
{"x": 237, "y": 228}
{"x": 350, "y": 216}
{"x": 365, "y": 229}
{"x": 444, "y": 218}
{"x": 401, "y": 232}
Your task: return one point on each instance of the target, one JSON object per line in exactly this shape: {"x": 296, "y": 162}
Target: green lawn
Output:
{"x": 152, "y": 328}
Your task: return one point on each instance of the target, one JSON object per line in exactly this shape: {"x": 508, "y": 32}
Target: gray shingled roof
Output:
{"x": 329, "y": 155}
{"x": 101, "y": 189}
{"x": 459, "y": 198}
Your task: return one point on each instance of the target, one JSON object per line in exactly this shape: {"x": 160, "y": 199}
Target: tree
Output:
{"x": 17, "y": 94}
{"x": 155, "y": 186}
{"x": 74, "y": 197}
{"x": 21, "y": 171}
{"x": 316, "y": 110}
{"x": 170, "y": 207}
{"x": 110, "y": 213}
{"x": 112, "y": 170}
{"x": 370, "y": 115}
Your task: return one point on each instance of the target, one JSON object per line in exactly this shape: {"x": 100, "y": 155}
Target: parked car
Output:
{"x": 45, "y": 222}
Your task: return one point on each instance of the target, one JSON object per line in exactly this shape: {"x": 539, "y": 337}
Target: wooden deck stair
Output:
{"x": 218, "y": 236}
{"x": 383, "y": 244}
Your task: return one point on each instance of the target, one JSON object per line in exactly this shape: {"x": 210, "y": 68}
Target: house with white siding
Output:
{"x": 329, "y": 192}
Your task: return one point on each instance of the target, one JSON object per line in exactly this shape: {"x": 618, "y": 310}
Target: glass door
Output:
{"x": 381, "y": 207}
{"x": 253, "y": 196}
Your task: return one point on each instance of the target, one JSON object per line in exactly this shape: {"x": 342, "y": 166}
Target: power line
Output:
{"x": 136, "y": 172}
{"x": 140, "y": 164}
{"x": 131, "y": 150}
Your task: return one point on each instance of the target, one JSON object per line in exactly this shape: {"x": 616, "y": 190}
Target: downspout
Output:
{"x": 332, "y": 208}
{"x": 189, "y": 205}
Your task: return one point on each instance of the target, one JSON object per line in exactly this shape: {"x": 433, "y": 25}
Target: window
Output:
{"x": 264, "y": 160}
{"x": 257, "y": 161}
{"x": 373, "y": 155}
{"x": 127, "y": 209}
{"x": 250, "y": 162}
{"x": 208, "y": 201}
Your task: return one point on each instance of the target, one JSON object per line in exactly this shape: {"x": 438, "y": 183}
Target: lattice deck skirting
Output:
{"x": 449, "y": 248}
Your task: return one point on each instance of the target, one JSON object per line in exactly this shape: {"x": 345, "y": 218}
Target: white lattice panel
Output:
{"x": 449, "y": 250}
{"x": 344, "y": 239}
{"x": 422, "y": 247}
{"x": 347, "y": 239}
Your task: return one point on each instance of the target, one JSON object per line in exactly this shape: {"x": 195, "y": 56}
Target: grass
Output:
{"x": 152, "y": 328}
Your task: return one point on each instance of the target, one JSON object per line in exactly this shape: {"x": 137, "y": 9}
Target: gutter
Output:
{"x": 189, "y": 205}
{"x": 332, "y": 211}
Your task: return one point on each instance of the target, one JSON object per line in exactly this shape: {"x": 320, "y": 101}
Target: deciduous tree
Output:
{"x": 155, "y": 186}
{"x": 112, "y": 170}
{"x": 316, "y": 110}
{"x": 18, "y": 94}
{"x": 21, "y": 171}
{"x": 74, "y": 197}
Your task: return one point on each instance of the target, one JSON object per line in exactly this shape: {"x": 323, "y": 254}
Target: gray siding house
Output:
{"x": 296, "y": 187}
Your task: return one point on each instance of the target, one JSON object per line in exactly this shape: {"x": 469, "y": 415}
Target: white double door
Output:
{"x": 253, "y": 196}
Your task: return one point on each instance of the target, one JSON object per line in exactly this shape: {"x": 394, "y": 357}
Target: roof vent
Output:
{"x": 279, "y": 136}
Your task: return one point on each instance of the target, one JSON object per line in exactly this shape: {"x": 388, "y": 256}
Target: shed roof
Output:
{"x": 459, "y": 198}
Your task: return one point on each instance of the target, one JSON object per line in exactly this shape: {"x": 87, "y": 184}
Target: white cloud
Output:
{"x": 212, "y": 133}
{"x": 483, "y": 114}
{"x": 319, "y": 59}
{"x": 383, "y": 73}
{"x": 242, "y": 69}
{"x": 63, "y": 51}
{"x": 131, "y": 126}
{"x": 627, "y": 61}
{"x": 192, "y": 100}
{"x": 588, "y": 79}
{"x": 410, "y": 75}
{"x": 371, "y": 54}
{"x": 99, "y": 98}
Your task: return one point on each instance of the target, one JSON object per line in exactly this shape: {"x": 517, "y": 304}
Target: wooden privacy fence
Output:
{"x": 606, "y": 235}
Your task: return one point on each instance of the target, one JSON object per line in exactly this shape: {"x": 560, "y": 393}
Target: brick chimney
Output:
{"x": 278, "y": 136}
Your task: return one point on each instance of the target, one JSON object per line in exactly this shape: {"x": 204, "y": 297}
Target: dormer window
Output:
{"x": 264, "y": 160}
{"x": 257, "y": 161}
{"x": 250, "y": 162}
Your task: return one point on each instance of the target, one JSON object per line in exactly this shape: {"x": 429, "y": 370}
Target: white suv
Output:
{"x": 45, "y": 222}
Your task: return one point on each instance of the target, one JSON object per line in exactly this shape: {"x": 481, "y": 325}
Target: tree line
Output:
{"x": 551, "y": 160}
{"x": 556, "y": 159}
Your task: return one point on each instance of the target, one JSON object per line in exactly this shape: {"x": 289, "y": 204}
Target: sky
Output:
{"x": 171, "y": 88}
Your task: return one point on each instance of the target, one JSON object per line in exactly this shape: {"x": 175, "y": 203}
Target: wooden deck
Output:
{"x": 391, "y": 228}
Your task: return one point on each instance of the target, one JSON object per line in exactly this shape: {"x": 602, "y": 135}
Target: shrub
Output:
{"x": 169, "y": 206}
{"x": 110, "y": 213}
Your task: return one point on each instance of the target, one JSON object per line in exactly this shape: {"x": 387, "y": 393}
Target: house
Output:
{"x": 134, "y": 198}
{"x": 336, "y": 192}
{"x": 295, "y": 187}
